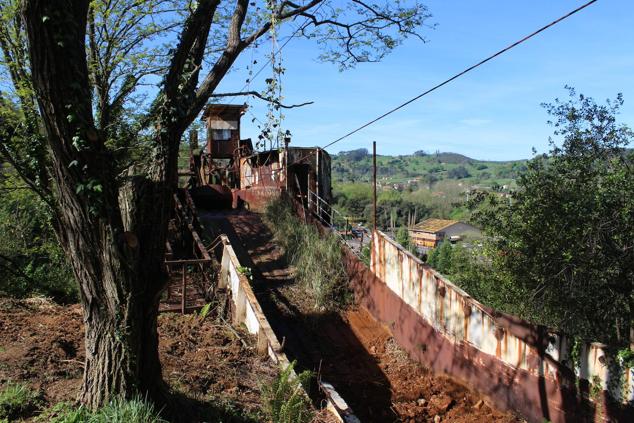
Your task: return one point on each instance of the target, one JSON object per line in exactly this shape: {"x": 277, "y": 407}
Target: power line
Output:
{"x": 458, "y": 75}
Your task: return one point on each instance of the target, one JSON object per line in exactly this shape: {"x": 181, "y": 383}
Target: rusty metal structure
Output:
{"x": 229, "y": 173}
{"x": 188, "y": 263}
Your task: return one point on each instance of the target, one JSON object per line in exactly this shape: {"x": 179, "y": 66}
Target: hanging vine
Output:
{"x": 271, "y": 130}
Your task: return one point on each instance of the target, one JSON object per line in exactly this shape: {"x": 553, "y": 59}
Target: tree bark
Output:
{"x": 119, "y": 266}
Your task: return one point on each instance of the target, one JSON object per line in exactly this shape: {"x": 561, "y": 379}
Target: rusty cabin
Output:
{"x": 228, "y": 172}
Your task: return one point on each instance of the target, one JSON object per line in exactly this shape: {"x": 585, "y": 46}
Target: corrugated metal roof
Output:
{"x": 434, "y": 225}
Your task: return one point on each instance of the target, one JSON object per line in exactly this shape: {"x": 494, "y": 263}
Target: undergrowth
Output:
{"x": 285, "y": 400}
{"x": 317, "y": 259}
{"x": 17, "y": 400}
{"x": 117, "y": 411}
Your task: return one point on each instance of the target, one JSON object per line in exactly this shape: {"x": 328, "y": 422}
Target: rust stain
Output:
{"x": 465, "y": 322}
{"x": 520, "y": 392}
{"x": 440, "y": 297}
{"x": 420, "y": 290}
{"x": 410, "y": 281}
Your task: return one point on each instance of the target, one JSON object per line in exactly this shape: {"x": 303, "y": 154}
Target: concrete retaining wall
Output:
{"x": 247, "y": 311}
{"x": 518, "y": 365}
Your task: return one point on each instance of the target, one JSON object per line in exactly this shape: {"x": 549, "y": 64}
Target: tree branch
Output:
{"x": 262, "y": 97}
{"x": 202, "y": 17}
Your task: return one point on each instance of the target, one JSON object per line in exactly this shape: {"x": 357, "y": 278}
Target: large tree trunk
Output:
{"x": 117, "y": 257}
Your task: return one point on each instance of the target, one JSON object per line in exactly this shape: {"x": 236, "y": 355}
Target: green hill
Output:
{"x": 424, "y": 169}
{"x": 416, "y": 186}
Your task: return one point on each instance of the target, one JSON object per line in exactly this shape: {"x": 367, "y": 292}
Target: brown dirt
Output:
{"x": 348, "y": 348}
{"x": 41, "y": 344}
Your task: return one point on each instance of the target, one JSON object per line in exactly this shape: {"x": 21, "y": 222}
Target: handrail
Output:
{"x": 331, "y": 222}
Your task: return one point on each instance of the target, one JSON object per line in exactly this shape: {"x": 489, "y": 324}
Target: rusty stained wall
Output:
{"x": 530, "y": 362}
{"x": 263, "y": 177}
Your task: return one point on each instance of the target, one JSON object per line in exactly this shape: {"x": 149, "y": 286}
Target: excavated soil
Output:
{"x": 347, "y": 348}
{"x": 206, "y": 362}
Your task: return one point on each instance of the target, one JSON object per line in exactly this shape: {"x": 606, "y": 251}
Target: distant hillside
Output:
{"x": 423, "y": 169}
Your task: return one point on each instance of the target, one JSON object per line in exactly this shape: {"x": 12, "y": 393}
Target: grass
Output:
{"x": 117, "y": 411}
{"x": 285, "y": 400}
{"x": 17, "y": 400}
{"x": 317, "y": 259}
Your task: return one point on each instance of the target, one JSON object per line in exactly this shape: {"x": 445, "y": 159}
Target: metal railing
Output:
{"x": 355, "y": 237}
{"x": 194, "y": 264}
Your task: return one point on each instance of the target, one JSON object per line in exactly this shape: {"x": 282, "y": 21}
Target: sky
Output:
{"x": 492, "y": 113}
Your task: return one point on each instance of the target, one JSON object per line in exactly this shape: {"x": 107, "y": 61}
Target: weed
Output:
{"x": 64, "y": 412}
{"x": 117, "y": 411}
{"x": 17, "y": 400}
{"x": 596, "y": 387}
{"x": 317, "y": 259}
{"x": 285, "y": 400}
{"x": 246, "y": 271}
{"x": 202, "y": 314}
{"x": 132, "y": 411}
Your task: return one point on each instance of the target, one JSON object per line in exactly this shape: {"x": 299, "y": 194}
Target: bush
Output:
{"x": 31, "y": 259}
{"x": 285, "y": 399}
{"x": 17, "y": 400}
{"x": 459, "y": 172}
{"x": 317, "y": 259}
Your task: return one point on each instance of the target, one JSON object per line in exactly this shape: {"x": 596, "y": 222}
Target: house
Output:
{"x": 431, "y": 232}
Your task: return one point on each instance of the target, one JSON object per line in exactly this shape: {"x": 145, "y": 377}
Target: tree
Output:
{"x": 459, "y": 172}
{"x": 566, "y": 240}
{"x": 402, "y": 237}
{"x": 441, "y": 258}
{"x": 355, "y": 155}
{"x": 108, "y": 174}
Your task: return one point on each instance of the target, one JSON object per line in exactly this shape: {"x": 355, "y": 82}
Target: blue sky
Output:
{"x": 492, "y": 113}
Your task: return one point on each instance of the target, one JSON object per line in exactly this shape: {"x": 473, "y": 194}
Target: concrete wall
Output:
{"x": 518, "y": 365}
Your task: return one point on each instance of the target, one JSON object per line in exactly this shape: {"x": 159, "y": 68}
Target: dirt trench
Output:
{"x": 347, "y": 348}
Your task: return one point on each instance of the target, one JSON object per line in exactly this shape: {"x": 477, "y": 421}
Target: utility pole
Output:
{"x": 373, "y": 206}
{"x": 373, "y": 187}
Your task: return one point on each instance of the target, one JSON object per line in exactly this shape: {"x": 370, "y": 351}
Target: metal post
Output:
{"x": 373, "y": 205}
{"x": 373, "y": 186}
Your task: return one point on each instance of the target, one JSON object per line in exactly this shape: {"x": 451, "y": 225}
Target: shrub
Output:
{"x": 31, "y": 259}
{"x": 285, "y": 400}
{"x": 17, "y": 400}
{"x": 317, "y": 259}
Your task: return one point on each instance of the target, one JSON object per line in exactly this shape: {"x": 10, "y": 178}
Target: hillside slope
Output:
{"x": 423, "y": 169}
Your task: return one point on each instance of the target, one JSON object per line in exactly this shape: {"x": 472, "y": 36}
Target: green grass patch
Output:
{"x": 317, "y": 259}
{"x": 17, "y": 400}
{"x": 117, "y": 411}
